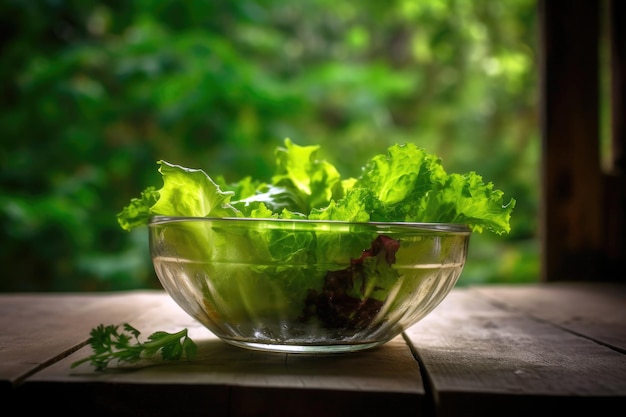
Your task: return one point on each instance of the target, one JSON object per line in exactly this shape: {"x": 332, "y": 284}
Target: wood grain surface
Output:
{"x": 484, "y": 351}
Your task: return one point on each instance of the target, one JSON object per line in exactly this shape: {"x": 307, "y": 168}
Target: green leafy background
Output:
{"x": 94, "y": 93}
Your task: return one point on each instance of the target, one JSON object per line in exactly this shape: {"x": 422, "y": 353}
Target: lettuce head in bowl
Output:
{"x": 309, "y": 261}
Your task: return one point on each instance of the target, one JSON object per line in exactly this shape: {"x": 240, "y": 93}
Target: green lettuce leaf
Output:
{"x": 409, "y": 185}
{"x": 185, "y": 192}
{"x": 139, "y": 210}
{"x": 314, "y": 181}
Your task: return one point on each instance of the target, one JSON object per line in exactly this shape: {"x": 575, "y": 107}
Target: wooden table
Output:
{"x": 485, "y": 351}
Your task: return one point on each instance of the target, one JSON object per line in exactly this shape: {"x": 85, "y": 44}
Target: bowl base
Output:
{"x": 305, "y": 349}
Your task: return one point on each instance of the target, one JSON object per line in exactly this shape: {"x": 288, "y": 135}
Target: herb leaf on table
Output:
{"x": 124, "y": 346}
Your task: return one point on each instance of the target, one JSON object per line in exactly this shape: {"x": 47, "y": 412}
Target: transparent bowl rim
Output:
{"x": 459, "y": 228}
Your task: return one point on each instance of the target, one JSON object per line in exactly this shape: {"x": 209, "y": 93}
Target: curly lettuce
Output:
{"x": 339, "y": 279}
{"x": 407, "y": 184}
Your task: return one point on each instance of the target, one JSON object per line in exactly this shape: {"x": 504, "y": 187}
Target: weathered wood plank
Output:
{"x": 232, "y": 381}
{"x": 482, "y": 360}
{"x": 594, "y": 310}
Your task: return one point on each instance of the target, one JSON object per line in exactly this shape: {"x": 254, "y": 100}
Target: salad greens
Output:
{"x": 406, "y": 184}
{"x": 351, "y": 297}
{"x": 342, "y": 280}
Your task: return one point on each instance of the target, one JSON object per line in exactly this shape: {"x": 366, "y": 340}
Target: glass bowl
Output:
{"x": 303, "y": 285}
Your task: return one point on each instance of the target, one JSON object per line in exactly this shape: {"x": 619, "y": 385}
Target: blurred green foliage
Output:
{"x": 95, "y": 92}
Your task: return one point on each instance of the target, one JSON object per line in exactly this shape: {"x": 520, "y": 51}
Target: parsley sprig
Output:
{"x": 110, "y": 344}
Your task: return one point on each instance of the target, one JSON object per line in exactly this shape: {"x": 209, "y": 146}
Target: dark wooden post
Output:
{"x": 583, "y": 207}
{"x": 616, "y": 171}
{"x": 571, "y": 222}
